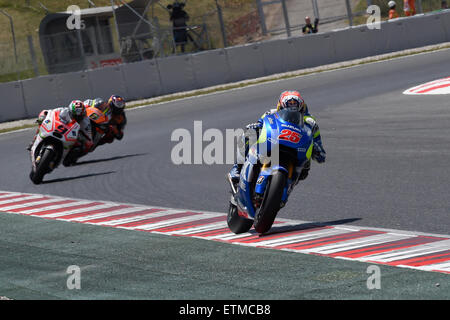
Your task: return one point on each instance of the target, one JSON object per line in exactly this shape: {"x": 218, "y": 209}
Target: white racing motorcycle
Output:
{"x": 56, "y": 138}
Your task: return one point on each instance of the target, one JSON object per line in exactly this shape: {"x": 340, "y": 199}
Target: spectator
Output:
{"x": 444, "y": 4}
{"x": 392, "y": 12}
{"x": 309, "y": 28}
{"x": 179, "y": 17}
{"x": 409, "y": 7}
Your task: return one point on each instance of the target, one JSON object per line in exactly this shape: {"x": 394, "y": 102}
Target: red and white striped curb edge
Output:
{"x": 428, "y": 252}
{"x": 441, "y": 86}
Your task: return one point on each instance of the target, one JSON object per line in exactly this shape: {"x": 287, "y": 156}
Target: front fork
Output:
{"x": 263, "y": 180}
{"x": 36, "y": 142}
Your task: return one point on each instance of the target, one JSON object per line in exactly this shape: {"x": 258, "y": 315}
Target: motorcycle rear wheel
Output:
{"x": 43, "y": 166}
{"x": 72, "y": 157}
{"x": 270, "y": 206}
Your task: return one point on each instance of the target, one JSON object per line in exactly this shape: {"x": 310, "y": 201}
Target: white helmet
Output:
{"x": 391, "y": 4}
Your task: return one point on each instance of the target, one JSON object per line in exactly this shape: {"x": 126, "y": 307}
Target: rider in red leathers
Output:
{"x": 76, "y": 110}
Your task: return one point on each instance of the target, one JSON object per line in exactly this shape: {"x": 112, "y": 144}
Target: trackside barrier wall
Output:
{"x": 370, "y": 42}
{"x": 246, "y": 62}
{"x": 177, "y": 73}
{"x": 13, "y": 106}
{"x": 425, "y": 30}
{"x": 275, "y": 56}
{"x": 161, "y": 76}
{"x": 293, "y": 57}
{"x": 73, "y": 85}
{"x": 101, "y": 81}
{"x": 141, "y": 79}
{"x": 398, "y": 37}
{"x": 445, "y": 19}
{"x": 315, "y": 50}
{"x": 211, "y": 68}
{"x": 40, "y": 93}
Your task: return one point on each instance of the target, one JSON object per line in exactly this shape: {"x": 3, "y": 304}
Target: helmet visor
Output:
{"x": 118, "y": 102}
{"x": 293, "y": 104}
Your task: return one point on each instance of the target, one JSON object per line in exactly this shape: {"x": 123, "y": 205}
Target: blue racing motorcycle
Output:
{"x": 270, "y": 171}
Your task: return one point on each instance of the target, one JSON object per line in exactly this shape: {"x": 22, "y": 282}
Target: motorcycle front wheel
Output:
{"x": 270, "y": 206}
{"x": 43, "y": 166}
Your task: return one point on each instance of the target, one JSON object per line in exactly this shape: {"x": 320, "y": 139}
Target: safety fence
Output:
{"x": 281, "y": 18}
{"x": 150, "y": 78}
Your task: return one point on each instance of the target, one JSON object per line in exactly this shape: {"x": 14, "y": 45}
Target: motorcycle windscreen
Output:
{"x": 291, "y": 116}
{"x": 299, "y": 138}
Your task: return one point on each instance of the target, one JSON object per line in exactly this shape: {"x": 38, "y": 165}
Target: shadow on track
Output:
{"x": 77, "y": 177}
{"x": 109, "y": 159}
{"x": 305, "y": 226}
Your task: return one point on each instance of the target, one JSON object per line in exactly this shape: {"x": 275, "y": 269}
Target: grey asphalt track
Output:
{"x": 387, "y": 164}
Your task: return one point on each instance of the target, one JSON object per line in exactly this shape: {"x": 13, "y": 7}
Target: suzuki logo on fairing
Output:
{"x": 290, "y": 127}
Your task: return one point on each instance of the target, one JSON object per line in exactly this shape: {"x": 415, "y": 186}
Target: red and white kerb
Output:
{"x": 441, "y": 86}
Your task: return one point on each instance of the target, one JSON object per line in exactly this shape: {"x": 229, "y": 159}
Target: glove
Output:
{"x": 254, "y": 126}
{"x": 316, "y": 21}
{"x": 318, "y": 153}
{"x": 252, "y": 132}
{"x": 41, "y": 117}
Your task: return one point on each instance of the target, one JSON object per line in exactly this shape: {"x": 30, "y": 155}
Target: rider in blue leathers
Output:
{"x": 287, "y": 99}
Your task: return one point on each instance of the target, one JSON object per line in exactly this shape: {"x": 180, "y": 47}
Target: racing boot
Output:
{"x": 319, "y": 153}
{"x": 305, "y": 171}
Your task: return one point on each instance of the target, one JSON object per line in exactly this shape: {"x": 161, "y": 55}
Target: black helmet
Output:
{"x": 117, "y": 103}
